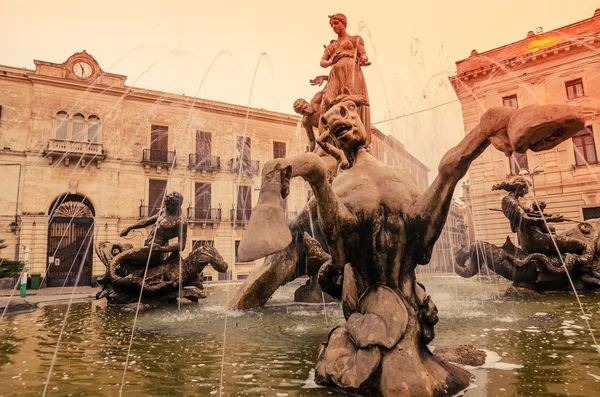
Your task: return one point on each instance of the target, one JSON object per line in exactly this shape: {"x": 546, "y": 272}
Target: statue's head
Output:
{"x": 338, "y": 22}
{"x": 343, "y": 121}
{"x": 302, "y": 107}
{"x": 539, "y": 206}
{"x": 173, "y": 202}
{"x": 207, "y": 254}
{"x": 519, "y": 187}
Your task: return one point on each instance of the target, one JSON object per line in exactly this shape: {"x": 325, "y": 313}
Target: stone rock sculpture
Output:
{"x": 156, "y": 267}
{"x": 378, "y": 227}
{"x": 536, "y": 266}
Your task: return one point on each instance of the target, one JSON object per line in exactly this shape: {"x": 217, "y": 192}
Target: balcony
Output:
{"x": 246, "y": 167}
{"x": 204, "y": 216}
{"x": 158, "y": 158}
{"x": 198, "y": 162}
{"x": 79, "y": 151}
{"x": 146, "y": 211}
{"x": 240, "y": 216}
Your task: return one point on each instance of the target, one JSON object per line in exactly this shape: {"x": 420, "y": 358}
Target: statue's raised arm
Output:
{"x": 533, "y": 127}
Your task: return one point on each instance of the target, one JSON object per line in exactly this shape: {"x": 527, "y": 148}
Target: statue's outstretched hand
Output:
{"x": 494, "y": 122}
{"x": 318, "y": 80}
{"x": 125, "y": 232}
{"x": 556, "y": 218}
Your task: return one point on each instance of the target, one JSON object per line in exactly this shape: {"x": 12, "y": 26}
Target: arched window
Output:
{"x": 62, "y": 123}
{"x": 77, "y": 132}
{"x": 93, "y": 128}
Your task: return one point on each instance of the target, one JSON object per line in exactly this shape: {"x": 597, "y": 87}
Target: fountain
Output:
{"x": 360, "y": 241}
{"x": 133, "y": 275}
{"x": 378, "y": 227}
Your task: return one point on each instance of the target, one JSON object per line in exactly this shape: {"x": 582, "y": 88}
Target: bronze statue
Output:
{"x": 156, "y": 266}
{"x": 378, "y": 227}
{"x": 537, "y": 265}
{"x": 345, "y": 55}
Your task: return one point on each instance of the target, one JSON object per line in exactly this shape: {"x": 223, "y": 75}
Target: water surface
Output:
{"x": 271, "y": 351}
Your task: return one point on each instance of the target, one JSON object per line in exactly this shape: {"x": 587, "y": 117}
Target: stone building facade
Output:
{"x": 454, "y": 236}
{"x": 558, "y": 66}
{"x": 82, "y": 156}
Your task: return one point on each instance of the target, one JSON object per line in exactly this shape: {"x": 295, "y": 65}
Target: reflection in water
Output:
{"x": 273, "y": 350}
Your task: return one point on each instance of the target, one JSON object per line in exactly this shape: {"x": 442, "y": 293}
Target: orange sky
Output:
{"x": 413, "y": 46}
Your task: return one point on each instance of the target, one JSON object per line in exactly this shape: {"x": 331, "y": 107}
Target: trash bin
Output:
{"x": 36, "y": 279}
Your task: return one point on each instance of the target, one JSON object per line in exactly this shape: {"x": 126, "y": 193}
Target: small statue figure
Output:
{"x": 535, "y": 235}
{"x": 311, "y": 113}
{"x": 544, "y": 258}
{"x": 130, "y": 269}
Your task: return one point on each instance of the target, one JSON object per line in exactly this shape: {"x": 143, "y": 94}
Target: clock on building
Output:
{"x": 82, "y": 69}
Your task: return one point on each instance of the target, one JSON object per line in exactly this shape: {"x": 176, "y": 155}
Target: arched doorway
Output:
{"x": 70, "y": 241}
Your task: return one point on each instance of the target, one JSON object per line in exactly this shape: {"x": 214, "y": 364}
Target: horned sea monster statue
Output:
{"x": 537, "y": 266}
{"x": 157, "y": 267}
{"x": 377, "y": 227}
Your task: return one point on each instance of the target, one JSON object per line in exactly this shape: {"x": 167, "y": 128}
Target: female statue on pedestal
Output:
{"x": 345, "y": 55}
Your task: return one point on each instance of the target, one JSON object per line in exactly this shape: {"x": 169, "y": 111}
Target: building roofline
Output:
{"x": 534, "y": 47}
{"x": 149, "y": 95}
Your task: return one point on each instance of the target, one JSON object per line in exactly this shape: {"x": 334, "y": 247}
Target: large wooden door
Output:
{"x": 70, "y": 242}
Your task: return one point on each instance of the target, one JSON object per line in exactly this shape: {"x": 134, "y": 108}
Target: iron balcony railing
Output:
{"x": 204, "y": 214}
{"x": 245, "y": 166}
{"x": 75, "y": 147}
{"x": 240, "y": 215}
{"x": 158, "y": 156}
{"x": 201, "y": 162}
{"x": 147, "y": 211}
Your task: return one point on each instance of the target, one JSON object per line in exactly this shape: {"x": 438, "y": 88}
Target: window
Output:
{"x": 510, "y": 101}
{"x": 202, "y": 201}
{"x": 518, "y": 162}
{"x": 244, "y": 203}
{"x": 203, "y": 147}
{"x": 199, "y": 243}
{"x": 156, "y": 192}
{"x": 93, "y": 129}
{"x": 278, "y": 150}
{"x": 585, "y": 147}
{"x": 242, "y": 276}
{"x": 62, "y": 123}
{"x": 243, "y": 152}
{"x": 591, "y": 213}
{"x": 574, "y": 88}
{"x": 207, "y": 278}
{"x": 77, "y": 131}
{"x": 159, "y": 143}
